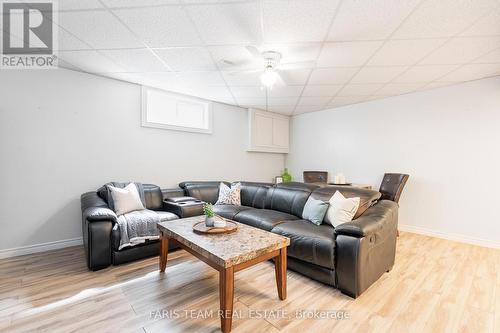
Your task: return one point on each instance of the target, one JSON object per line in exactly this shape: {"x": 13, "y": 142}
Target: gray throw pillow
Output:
{"x": 315, "y": 210}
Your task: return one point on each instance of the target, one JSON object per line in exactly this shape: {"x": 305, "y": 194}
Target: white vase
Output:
{"x": 209, "y": 221}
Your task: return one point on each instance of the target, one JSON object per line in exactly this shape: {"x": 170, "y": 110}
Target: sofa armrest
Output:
{"x": 366, "y": 248}
{"x": 377, "y": 219}
{"x": 93, "y": 214}
{"x": 97, "y": 223}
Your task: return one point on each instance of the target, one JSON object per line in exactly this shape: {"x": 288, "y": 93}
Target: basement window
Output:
{"x": 170, "y": 111}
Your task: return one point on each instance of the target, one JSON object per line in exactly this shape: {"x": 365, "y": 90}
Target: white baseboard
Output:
{"x": 23, "y": 250}
{"x": 453, "y": 237}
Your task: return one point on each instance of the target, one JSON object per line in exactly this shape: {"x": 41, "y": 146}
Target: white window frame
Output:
{"x": 187, "y": 99}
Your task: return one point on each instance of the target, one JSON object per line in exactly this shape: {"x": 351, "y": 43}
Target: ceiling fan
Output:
{"x": 274, "y": 68}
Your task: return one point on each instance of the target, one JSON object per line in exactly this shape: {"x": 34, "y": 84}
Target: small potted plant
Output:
{"x": 208, "y": 210}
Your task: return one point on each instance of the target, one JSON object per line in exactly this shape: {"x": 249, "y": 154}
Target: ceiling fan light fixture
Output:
{"x": 269, "y": 77}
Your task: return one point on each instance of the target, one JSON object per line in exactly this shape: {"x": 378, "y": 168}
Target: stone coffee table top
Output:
{"x": 225, "y": 250}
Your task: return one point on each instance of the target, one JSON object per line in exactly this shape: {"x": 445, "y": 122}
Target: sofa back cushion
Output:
{"x": 153, "y": 198}
{"x": 367, "y": 198}
{"x": 205, "y": 191}
{"x": 254, "y": 194}
{"x": 289, "y": 198}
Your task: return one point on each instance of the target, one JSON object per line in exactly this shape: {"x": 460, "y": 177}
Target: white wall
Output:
{"x": 447, "y": 139}
{"x": 63, "y": 133}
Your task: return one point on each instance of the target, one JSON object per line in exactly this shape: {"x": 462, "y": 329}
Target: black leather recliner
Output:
{"x": 101, "y": 236}
{"x": 350, "y": 257}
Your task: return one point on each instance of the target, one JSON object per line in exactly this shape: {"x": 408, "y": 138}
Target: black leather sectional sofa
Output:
{"x": 350, "y": 257}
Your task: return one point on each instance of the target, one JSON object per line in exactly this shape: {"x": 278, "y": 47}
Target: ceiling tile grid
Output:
{"x": 333, "y": 52}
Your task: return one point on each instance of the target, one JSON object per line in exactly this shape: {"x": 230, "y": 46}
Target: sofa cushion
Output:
{"x": 263, "y": 218}
{"x": 254, "y": 194}
{"x": 229, "y": 195}
{"x": 229, "y": 211}
{"x": 289, "y": 198}
{"x": 367, "y": 198}
{"x": 205, "y": 192}
{"x": 166, "y": 216}
{"x": 315, "y": 210}
{"x": 308, "y": 242}
{"x": 124, "y": 200}
{"x": 153, "y": 196}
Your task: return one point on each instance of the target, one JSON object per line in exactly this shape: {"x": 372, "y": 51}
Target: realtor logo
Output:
{"x": 28, "y": 38}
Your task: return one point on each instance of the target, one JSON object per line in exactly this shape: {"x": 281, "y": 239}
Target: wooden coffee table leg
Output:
{"x": 280, "y": 268}
{"x": 163, "y": 251}
{"x": 226, "y": 291}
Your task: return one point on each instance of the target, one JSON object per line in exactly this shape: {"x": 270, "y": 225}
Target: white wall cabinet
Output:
{"x": 268, "y": 132}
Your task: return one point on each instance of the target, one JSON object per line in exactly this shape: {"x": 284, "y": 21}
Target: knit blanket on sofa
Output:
{"x": 137, "y": 227}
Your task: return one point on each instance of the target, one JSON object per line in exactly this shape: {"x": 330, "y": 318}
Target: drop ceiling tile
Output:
{"x": 378, "y": 74}
{"x": 308, "y": 108}
{"x": 136, "y": 60}
{"x": 228, "y": 23}
{"x": 489, "y": 58}
{"x": 314, "y": 101}
{"x": 472, "y": 72}
{"x": 346, "y": 100}
{"x": 242, "y": 78}
{"x": 285, "y": 91}
{"x": 282, "y": 101}
{"x": 100, "y": 29}
{"x": 462, "y": 50}
{"x": 393, "y": 89}
{"x": 286, "y": 110}
{"x": 248, "y": 92}
{"x": 443, "y": 18}
{"x": 68, "y": 42}
{"x": 77, "y": 4}
{"x": 187, "y": 58}
{"x": 187, "y": 79}
{"x": 295, "y": 76}
{"x": 322, "y": 90}
{"x": 297, "y": 21}
{"x": 293, "y": 53}
{"x": 435, "y": 85}
{"x": 487, "y": 26}
{"x": 161, "y": 26}
{"x": 218, "y": 94}
{"x": 360, "y": 89}
{"x": 428, "y": 73}
{"x": 66, "y": 65}
{"x": 369, "y": 20}
{"x": 404, "y": 52}
{"x": 347, "y": 53}
{"x": 339, "y": 75}
{"x": 251, "y": 102}
{"x": 90, "y": 61}
{"x": 234, "y": 58}
{"x": 138, "y": 3}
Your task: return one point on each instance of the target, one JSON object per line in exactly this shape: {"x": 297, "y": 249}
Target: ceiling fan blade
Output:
{"x": 254, "y": 51}
{"x": 297, "y": 65}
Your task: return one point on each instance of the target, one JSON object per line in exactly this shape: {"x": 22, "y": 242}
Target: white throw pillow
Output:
{"x": 229, "y": 196}
{"x": 126, "y": 200}
{"x": 341, "y": 210}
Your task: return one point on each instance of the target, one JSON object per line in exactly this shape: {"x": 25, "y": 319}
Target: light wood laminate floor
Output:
{"x": 435, "y": 286}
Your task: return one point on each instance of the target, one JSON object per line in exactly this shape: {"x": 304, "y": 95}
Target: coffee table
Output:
{"x": 227, "y": 253}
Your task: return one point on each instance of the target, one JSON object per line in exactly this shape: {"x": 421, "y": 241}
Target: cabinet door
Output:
{"x": 280, "y": 132}
{"x": 263, "y": 130}
{"x": 269, "y": 132}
